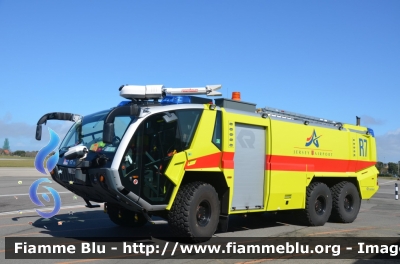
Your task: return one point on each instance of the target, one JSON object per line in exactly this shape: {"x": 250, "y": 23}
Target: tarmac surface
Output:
{"x": 378, "y": 217}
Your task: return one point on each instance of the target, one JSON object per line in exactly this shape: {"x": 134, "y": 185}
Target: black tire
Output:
{"x": 195, "y": 212}
{"x": 318, "y": 204}
{"x": 346, "y": 202}
{"x": 124, "y": 217}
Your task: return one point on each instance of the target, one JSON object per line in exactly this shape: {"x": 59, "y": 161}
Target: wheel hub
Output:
{"x": 203, "y": 213}
{"x": 348, "y": 203}
{"x": 320, "y": 205}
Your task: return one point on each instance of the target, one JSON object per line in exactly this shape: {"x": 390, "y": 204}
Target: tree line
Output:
{"x": 390, "y": 168}
{"x": 21, "y": 153}
{"x": 6, "y": 150}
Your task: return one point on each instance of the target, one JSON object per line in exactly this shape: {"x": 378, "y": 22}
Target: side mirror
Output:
{"x": 108, "y": 133}
{"x": 38, "y": 132}
{"x": 108, "y": 128}
{"x": 55, "y": 116}
{"x": 169, "y": 118}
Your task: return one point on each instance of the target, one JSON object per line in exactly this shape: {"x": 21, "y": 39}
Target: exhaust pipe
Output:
{"x": 358, "y": 120}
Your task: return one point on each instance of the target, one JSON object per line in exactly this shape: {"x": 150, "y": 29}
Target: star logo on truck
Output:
{"x": 313, "y": 139}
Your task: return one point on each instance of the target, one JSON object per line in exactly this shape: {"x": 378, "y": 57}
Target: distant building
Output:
{"x": 5, "y": 152}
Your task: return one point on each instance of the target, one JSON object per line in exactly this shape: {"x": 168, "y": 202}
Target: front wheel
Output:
{"x": 346, "y": 202}
{"x": 195, "y": 212}
{"x": 318, "y": 204}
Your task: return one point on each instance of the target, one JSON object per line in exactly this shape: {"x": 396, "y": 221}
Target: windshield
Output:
{"x": 89, "y": 132}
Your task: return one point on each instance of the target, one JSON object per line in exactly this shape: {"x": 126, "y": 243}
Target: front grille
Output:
{"x": 65, "y": 176}
{"x": 73, "y": 175}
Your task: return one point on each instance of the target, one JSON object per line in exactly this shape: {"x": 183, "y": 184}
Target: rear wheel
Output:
{"x": 124, "y": 217}
{"x": 195, "y": 212}
{"x": 318, "y": 204}
{"x": 346, "y": 202}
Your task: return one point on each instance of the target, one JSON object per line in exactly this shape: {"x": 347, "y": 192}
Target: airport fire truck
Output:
{"x": 194, "y": 161}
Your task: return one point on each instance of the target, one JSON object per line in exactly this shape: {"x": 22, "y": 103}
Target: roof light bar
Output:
{"x": 184, "y": 99}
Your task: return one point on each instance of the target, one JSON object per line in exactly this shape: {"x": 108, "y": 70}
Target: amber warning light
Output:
{"x": 236, "y": 96}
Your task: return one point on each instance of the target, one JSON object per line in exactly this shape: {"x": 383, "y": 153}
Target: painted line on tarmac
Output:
{"x": 1, "y": 226}
{"x": 20, "y": 194}
{"x": 44, "y": 209}
{"x": 387, "y": 182}
{"x": 386, "y": 192}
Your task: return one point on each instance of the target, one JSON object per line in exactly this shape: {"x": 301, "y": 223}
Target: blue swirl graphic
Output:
{"x": 35, "y": 198}
{"x": 46, "y": 150}
{"x": 45, "y": 197}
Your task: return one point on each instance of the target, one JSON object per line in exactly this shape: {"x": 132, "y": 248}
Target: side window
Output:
{"x": 121, "y": 123}
{"x": 129, "y": 169}
{"x": 217, "y": 135}
{"x": 188, "y": 120}
{"x": 72, "y": 135}
{"x": 130, "y": 160}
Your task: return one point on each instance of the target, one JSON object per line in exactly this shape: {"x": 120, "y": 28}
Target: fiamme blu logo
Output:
{"x": 50, "y": 164}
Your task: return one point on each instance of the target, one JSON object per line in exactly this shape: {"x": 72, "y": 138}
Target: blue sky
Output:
{"x": 331, "y": 59}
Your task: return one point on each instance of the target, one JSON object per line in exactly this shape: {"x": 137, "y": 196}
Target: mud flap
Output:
{"x": 223, "y": 223}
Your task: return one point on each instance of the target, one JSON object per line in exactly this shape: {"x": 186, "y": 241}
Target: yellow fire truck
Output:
{"x": 194, "y": 161}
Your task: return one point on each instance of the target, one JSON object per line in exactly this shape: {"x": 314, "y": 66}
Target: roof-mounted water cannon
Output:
{"x": 209, "y": 90}
{"x": 145, "y": 92}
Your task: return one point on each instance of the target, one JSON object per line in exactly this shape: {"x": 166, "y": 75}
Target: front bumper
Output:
{"x": 88, "y": 186}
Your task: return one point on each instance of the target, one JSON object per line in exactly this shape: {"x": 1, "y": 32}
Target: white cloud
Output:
{"x": 396, "y": 132}
{"x": 21, "y": 135}
{"x": 388, "y": 146}
{"x": 369, "y": 120}
{"x": 7, "y": 117}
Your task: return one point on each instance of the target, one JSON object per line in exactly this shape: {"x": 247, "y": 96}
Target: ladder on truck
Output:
{"x": 269, "y": 111}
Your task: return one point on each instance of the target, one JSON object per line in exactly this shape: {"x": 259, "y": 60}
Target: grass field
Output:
{"x": 6, "y": 161}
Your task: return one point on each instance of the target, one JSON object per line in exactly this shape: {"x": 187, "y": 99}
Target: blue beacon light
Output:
{"x": 176, "y": 100}
{"x": 167, "y": 100}
{"x": 123, "y": 103}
